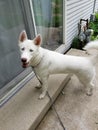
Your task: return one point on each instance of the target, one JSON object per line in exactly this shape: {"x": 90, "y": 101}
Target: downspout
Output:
{"x": 92, "y": 17}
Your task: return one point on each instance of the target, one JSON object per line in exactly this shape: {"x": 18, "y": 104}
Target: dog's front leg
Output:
{"x": 39, "y": 85}
{"x": 44, "y": 87}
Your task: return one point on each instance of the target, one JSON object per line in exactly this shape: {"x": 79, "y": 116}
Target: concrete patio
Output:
{"x": 25, "y": 111}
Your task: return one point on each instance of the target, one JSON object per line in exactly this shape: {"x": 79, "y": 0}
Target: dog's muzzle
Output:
{"x": 24, "y": 63}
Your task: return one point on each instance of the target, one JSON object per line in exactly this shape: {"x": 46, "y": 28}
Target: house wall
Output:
{"x": 96, "y": 6}
{"x": 76, "y": 9}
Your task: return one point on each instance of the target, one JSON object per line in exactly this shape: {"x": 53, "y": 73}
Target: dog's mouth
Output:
{"x": 25, "y": 64}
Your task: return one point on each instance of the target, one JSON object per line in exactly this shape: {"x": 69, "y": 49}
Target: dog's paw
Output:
{"x": 89, "y": 92}
{"x": 42, "y": 96}
{"x": 38, "y": 86}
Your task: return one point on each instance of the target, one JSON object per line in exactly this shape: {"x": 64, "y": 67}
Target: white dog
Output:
{"x": 46, "y": 62}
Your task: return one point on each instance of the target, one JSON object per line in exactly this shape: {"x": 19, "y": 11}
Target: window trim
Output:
{"x": 64, "y": 21}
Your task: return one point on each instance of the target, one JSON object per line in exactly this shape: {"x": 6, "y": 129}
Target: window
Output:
{"x": 48, "y": 16}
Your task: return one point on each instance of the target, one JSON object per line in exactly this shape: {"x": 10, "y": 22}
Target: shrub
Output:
{"x": 94, "y": 25}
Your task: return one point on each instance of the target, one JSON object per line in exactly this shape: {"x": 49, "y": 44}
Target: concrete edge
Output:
{"x": 48, "y": 105}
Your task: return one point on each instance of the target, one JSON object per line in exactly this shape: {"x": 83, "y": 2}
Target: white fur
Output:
{"x": 91, "y": 45}
{"x": 46, "y": 62}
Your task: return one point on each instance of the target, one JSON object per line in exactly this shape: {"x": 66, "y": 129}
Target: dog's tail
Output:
{"x": 91, "y": 45}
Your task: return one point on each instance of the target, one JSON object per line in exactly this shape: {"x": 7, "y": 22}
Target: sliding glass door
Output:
{"x": 13, "y": 20}
{"x": 48, "y": 16}
{"x": 35, "y": 16}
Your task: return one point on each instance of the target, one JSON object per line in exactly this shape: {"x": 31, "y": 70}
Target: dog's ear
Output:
{"x": 37, "y": 40}
{"x": 22, "y": 36}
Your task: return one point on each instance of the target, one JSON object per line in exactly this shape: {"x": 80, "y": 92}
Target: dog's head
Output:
{"x": 28, "y": 48}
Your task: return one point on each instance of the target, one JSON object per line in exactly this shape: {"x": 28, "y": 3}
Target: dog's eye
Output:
{"x": 23, "y": 49}
{"x": 31, "y": 50}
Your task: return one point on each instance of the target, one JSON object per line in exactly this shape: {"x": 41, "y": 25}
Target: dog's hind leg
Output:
{"x": 89, "y": 83}
{"x": 89, "y": 89}
{"x": 94, "y": 78}
{"x": 90, "y": 86}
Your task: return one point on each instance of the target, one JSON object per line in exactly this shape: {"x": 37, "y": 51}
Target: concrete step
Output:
{"x": 24, "y": 111}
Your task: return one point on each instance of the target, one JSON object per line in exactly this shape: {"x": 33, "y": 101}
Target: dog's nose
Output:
{"x": 24, "y": 60}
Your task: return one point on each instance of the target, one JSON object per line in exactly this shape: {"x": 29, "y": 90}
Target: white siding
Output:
{"x": 76, "y": 9}
{"x": 96, "y": 7}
